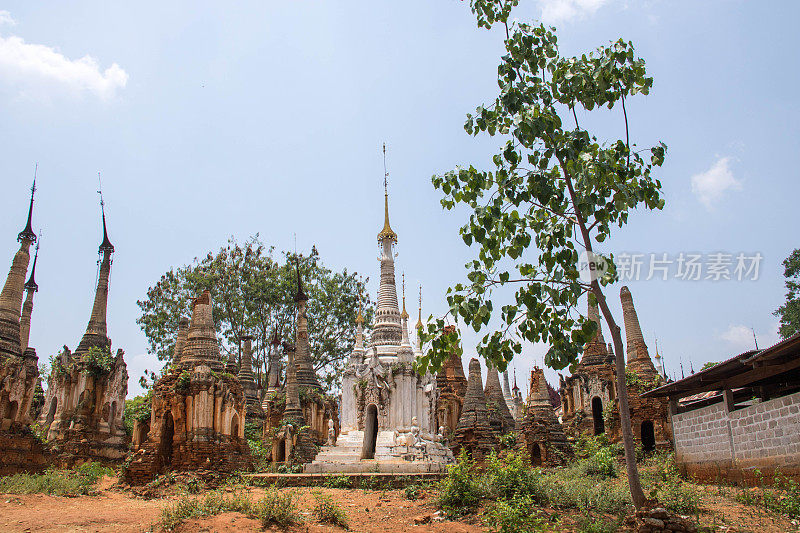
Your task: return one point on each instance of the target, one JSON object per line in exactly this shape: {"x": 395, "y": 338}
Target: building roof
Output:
{"x": 749, "y": 368}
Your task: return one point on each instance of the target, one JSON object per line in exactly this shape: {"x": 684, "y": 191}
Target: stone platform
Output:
{"x": 390, "y": 457}
{"x": 357, "y": 479}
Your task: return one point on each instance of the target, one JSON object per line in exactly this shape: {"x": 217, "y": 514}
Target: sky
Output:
{"x": 208, "y": 121}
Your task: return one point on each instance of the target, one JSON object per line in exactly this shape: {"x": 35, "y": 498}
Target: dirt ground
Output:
{"x": 119, "y": 511}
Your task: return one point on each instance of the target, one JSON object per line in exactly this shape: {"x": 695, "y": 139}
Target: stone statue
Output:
{"x": 331, "y": 433}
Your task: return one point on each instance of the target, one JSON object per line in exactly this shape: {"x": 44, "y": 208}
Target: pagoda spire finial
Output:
{"x": 27, "y": 233}
{"x": 360, "y": 316}
{"x": 419, "y": 319}
{"x": 404, "y": 314}
{"x": 31, "y": 284}
{"x": 387, "y": 232}
{"x": 301, "y": 295}
{"x": 106, "y": 245}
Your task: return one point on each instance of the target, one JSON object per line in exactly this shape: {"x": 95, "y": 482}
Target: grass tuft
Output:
{"x": 71, "y": 483}
{"x": 326, "y": 510}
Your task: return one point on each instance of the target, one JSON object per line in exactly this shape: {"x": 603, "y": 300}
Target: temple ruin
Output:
{"x": 198, "y": 412}
{"x": 301, "y": 402}
{"x": 500, "y": 417}
{"x": 589, "y": 396}
{"x": 20, "y": 450}
{"x": 541, "y": 435}
{"x": 452, "y": 385}
{"x": 474, "y": 433}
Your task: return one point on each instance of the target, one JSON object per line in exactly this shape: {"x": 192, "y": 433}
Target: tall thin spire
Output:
{"x": 387, "y": 333}
{"x": 11, "y": 295}
{"x": 106, "y": 245}
{"x": 27, "y": 308}
{"x": 386, "y": 233}
{"x": 97, "y": 331}
{"x": 27, "y": 233}
{"x": 638, "y": 356}
{"x": 404, "y": 314}
{"x": 306, "y": 376}
{"x": 419, "y": 320}
{"x": 31, "y": 284}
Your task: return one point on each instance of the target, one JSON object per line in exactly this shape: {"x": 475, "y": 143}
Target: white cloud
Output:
{"x": 6, "y": 18}
{"x": 709, "y": 186}
{"x": 36, "y": 68}
{"x": 555, "y": 11}
{"x": 741, "y": 338}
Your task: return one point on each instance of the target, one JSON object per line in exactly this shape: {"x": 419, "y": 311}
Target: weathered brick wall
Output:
{"x": 711, "y": 443}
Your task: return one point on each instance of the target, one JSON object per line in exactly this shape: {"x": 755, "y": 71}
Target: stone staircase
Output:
{"x": 345, "y": 457}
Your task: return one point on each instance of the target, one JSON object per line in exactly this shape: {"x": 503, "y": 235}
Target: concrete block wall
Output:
{"x": 712, "y": 443}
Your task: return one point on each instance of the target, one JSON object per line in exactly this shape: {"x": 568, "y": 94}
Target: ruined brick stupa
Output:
{"x": 500, "y": 416}
{"x": 541, "y": 434}
{"x": 388, "y": 418}
{"x": 474, "y": 433}
{"x": 19, "y": 372}
{"x": 82, "y": 413}
{"x": 452, "y": 385}
{"x": 301, "y": 401}
{"x": 198, "y": 412}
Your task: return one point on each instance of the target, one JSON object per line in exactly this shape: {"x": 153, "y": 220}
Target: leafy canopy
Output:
{"x": 555, "y": 189}
{"x": 252, "y": 294}
{"x": 789, "y": 312}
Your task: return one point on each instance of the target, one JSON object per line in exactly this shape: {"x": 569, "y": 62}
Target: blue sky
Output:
{"x": 208, "y": 121}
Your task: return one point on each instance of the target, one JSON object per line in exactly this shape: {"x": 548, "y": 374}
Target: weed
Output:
{"x": 75, "y": 482}
{"x": 273, "y": 508}
{"x": 326, "y": 510}
{"x": 338, "y": 482}
{"x": 461, "y": 490}
{"x": 589, "y": 524}
{"x": 513, "y": 516}
{"x": 509, "y": 475}
{"x": 412, "y": 492}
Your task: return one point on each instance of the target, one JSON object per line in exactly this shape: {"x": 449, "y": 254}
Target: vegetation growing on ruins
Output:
{"x": 98, "y": 360}
{"x": 554, "y": 187}
{"x": 136, "y": 409}
{"x": 252, "y": 293}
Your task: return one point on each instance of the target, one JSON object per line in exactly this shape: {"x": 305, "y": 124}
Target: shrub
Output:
{"x": 598, "y": 525}
{"x": 571, "y": 489}
{"x": 273, "y": 508}
{"x": 326, "y": 510}
{"x": 509, "y": 475}
{"x": 461, "y": 490}
{"x": 276, "y": 508}
{"x": 71, "y": 483}
{"x": 679, "y": 497}
{"x": 137, "y": 408}
{"x": 513, "y": 516}
{"x": 603, "y": 463}
{"x": 338, "y": 482}
{"x": 412, "y": 492}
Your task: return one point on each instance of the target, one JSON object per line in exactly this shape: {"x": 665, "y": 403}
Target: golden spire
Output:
{"x": 387, "y": 232}
{"x": 404, "y": 314}
{"x": 360, "y": 317}
{"x": 419, "y": 321}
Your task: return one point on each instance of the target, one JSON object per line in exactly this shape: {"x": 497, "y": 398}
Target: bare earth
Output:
{"x": 370, "y": 511}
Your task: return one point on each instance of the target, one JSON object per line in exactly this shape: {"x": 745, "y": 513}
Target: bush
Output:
{"x": 461, "y": 490}
{"x": 678, "y": 497}
{"x": 571, "y": 489}
{"x": 273, "y": 508}
{"x": 137, "y": 408}
{"x": 603, "y": 463}
{"x": 326, "y": 510}
{"x": 513, "y": 516}
{"x": 276, "y": 508}
{"x": 412, "y": 492}
{"x": 338, "y": 482}
{"x": 599, "y": 525}
{"x": 71, "y": 483}
{"x": 509, "y": 475}
{"x": 783, "y": 497}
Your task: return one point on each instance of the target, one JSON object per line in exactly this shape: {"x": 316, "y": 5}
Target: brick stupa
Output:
{"x": 473, "y": 432}
{"x": 198, "y": 414}
{"x": 542, "y": 435}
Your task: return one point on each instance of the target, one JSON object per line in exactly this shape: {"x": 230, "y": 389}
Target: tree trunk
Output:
{"x": 635, "y": 484}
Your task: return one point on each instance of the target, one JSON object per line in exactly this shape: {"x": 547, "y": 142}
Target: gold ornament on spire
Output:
{"x": 360, "y": 317}
{"x": 387, "y": 232}
{"x": 419, "y": 321}
{"x": 404, "y": 314}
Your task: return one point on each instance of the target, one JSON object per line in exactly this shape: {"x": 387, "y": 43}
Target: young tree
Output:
{"x": 789, "y": 312}
{"x": 252, "y": 294}
{"x": 554, "y": 186}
